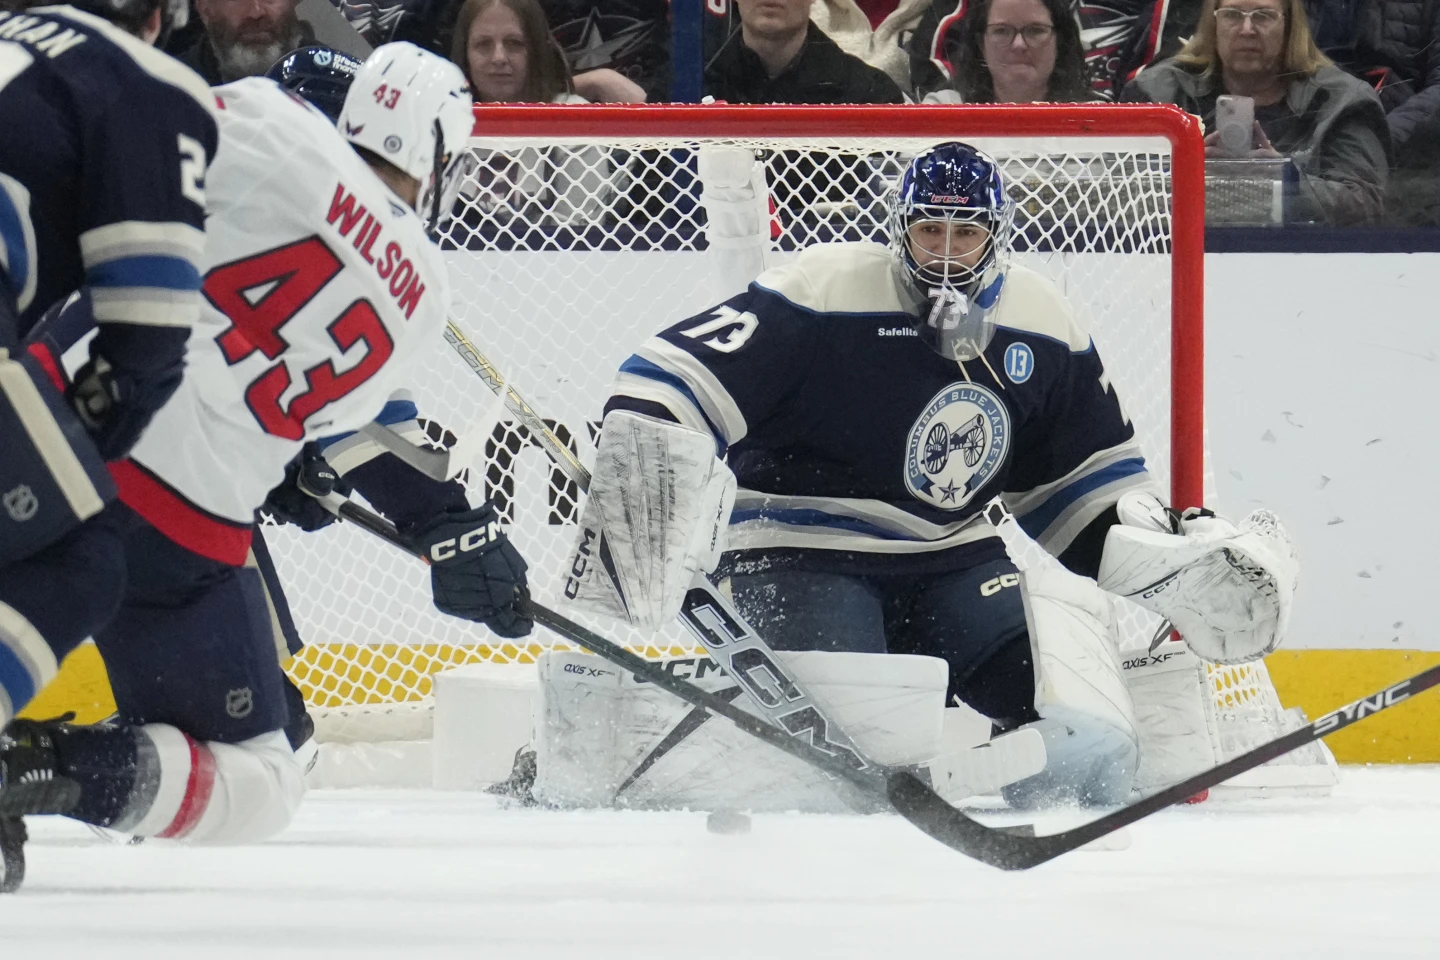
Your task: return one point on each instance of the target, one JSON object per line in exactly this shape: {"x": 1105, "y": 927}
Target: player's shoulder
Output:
{"x": 101, "y": 58}
{"x": 836, "y": 279}
{"x": 1032, "y": 303}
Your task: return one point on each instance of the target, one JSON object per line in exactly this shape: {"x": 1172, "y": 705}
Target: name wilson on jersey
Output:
{"x": 393, "y": 265}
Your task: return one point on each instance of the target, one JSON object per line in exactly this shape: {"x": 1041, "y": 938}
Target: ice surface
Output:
{"x": 415, "y": 874}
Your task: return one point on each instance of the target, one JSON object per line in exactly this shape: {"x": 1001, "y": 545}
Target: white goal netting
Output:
{"x": 569, "y": 251}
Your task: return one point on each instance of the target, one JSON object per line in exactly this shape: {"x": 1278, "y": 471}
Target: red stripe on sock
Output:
{"x": 197, "y": 792}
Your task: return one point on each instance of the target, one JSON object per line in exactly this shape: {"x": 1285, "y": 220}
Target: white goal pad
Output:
{"x": 607, "y": 739}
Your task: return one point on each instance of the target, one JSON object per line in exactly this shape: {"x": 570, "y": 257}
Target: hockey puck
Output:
{"x": 727, "y": 821}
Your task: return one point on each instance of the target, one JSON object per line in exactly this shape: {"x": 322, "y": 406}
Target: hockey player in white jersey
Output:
{"x": 871, "y": 400}
{"x": 320, "y": 285}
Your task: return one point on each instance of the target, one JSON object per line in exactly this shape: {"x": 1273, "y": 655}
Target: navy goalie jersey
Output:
{"x": 102, "y": 177}
{"x": 847, "y": 433}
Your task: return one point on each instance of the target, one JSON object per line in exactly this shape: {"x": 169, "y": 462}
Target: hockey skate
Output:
{"x": 30, "y": 783}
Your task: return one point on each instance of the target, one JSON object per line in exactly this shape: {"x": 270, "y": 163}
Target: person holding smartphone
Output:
{"x": 1254, "y": 63}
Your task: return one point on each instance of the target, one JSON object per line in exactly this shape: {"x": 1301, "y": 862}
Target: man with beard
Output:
{"x": 243, "y": 38}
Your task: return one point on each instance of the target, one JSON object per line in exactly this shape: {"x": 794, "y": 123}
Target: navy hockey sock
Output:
{"x": 105, "y": 762}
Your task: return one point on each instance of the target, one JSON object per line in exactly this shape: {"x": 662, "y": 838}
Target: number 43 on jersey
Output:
{"x": 262, "y": 293}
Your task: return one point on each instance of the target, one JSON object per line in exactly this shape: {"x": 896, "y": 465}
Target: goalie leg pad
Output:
{"x": 604, "y": 738}
{"x": 1087, "y": 718}
{"x": 656, "y": 515}
{"x": 1175, "y": 714}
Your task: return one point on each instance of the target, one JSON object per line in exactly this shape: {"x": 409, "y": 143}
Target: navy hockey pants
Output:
{"x": 973, "y": 619}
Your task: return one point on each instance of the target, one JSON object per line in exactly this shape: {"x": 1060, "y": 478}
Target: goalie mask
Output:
{"x": 950, "y": 225}
{"x": 413, "y": 109}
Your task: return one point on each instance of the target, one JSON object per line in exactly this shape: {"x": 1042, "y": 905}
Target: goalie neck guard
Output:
{"x": 413, "y": 110}
{"x": 949, "y": 185}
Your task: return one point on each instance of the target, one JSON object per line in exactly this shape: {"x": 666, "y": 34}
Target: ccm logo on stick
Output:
{"x": 474, "y": 540}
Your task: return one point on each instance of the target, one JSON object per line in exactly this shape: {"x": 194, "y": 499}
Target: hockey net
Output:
{"x": 581, "y": 233}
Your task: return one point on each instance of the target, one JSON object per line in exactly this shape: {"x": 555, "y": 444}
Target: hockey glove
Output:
{"x": 116, "y": 404}
{"x": 308, "y": 476}
{"x": 475, "y": 572}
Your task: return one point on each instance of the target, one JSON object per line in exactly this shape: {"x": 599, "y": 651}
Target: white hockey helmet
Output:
{"x": 414, "y": 110}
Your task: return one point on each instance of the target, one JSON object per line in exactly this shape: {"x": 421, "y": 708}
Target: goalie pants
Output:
{"x": 973, "y": 619}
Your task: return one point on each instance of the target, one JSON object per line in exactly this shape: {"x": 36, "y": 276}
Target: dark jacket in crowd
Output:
{"x": 820, "y": 73}
{"x": 1333, "y": 130}
{"x": 1393, "y": 43}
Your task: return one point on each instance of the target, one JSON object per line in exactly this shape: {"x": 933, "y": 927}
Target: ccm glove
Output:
{"x": 116, "y": 404}
{"x": 475, "y": 572}
{"x": 308, "y": 476}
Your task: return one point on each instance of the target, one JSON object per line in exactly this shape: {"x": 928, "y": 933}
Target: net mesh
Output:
{"x": 565, "y": 256}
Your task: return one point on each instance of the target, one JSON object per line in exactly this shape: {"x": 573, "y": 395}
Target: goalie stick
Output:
{"x": 1009, "y": 848}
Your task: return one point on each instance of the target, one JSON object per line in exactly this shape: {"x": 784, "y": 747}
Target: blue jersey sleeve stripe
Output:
{"x": 640, "y": 367}
{"x": 1038, "y": 520}
{"x": 16, "y": 684}
{"x": 164, "y": 273}
{"x": 15, "y": 257}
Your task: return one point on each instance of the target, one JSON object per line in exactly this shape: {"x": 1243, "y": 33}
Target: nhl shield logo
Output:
{"x": 956, "y": 445}
{"x": 239, "y": 703}
{"x": 21, "y": 503}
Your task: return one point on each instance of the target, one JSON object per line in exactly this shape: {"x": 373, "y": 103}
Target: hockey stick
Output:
{"x": 732, "y": 643}
{"x": 1009, "y": 848}
{"x": 917, "y": 803}
{"x": 806, "y": 742}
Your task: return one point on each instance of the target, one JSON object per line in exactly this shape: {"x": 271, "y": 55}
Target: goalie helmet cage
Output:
{"x": 580, "y": 233}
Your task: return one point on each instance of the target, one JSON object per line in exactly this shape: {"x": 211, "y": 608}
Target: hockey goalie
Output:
{"x": 915, "y": 480}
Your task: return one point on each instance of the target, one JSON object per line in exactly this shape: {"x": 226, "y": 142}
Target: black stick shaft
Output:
{"x": 869, "y": 781}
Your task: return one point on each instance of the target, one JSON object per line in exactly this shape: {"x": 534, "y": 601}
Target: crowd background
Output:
{"x": 1345, "y": 94}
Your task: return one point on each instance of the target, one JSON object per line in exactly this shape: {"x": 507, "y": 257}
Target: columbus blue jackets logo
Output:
{"x": 956, "y": 445}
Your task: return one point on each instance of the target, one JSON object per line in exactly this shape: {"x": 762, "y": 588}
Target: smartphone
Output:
{"x": 1235, "y": 122}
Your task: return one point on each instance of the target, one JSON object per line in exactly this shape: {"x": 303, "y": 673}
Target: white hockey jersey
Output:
{"x": 320, "y": 288}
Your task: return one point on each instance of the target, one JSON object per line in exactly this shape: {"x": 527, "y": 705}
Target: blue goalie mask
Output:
{"x": 950, "y": 226}
{"x": 319, "y": 75}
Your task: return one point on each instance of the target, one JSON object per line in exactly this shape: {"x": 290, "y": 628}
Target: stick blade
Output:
{"x": 923, "y": 807}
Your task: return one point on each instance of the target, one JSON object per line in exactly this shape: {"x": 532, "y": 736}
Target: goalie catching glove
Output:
{"x": 475, "y": 572}
{"x": 658, "y": 508}
{"x": 1227, "y": 589}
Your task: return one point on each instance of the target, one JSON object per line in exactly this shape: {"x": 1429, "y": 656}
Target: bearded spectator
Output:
{"x": 243, "y": 38}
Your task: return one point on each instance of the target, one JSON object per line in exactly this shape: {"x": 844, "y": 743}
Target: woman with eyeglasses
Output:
{"x": 1018, "y": 51}
{"x": 1328, "y": 123}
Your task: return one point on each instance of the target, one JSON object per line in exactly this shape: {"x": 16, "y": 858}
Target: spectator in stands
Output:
{"x": 779, "y": 56}
{"x": 443, "y": 25}
{"x": 873, "y": 30}
{"x": 1392, "y": 44}
{"x": 1120, "y": 38}
{"x": 243, "y": 38}
{"x": 506, "y": 51}
{"x": 1327, "y": 122}
{"x": 1018, "y": 51}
